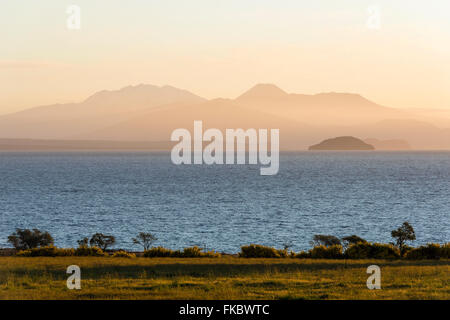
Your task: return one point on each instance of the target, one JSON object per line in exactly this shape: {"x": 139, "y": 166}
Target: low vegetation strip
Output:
{"x": 359, "y": 250}
{"x": 35, "y": 243}
{"x": 221, "y": 278}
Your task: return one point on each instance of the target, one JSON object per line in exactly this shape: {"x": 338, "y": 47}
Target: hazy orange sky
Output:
{"x": 221, "y": 48}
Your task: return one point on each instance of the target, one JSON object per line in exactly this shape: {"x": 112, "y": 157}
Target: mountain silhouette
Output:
{"x": 263, "y": 91}
{"x": 158, "y": 123}
{"x": 319, "y": 109}
{"x": 151, "y": 113}
{"x": 102, "y": 109}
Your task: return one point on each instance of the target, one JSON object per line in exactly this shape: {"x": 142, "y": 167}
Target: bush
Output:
{"x": 196, "y": 252}
{"x": 359, "y": 251}
{"x": 323, "y": 252}
{"x": 445, "y": 251}
{"x": 83, "y": 242}
{"x": 384, "y": 251}
{"x": 372, "y": 251}
{"x": 325, "y": 240}
{"x": 49, "y": 251}
{"x": 158, "y": 252}
{"x": 429, "y": 251}
{"x": 406, "y": 249}
{"x": 302, "y": 255}
{"x": 259, "y": 251}
{"x": 353, "y": 239}
{"x": 85, "y": 251}
{"x": 191, "y": 252}
{"x": 123, "y": 254}
{"x": 24, "y": 239}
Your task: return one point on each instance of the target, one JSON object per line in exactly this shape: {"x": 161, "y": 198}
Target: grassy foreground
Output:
{"x": 221, "y": 278}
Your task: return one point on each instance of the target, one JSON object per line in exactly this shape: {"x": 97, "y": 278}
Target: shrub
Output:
{"x": 302, "y": 255}
{"x": 384, "y": 251}
{"x": 445, "y": 251}
{"x": 159, "y": 252}
{"x": 191, "y": 252}
{"x": 323, "y": 252}
{"x": 49, "y": 251}
{"x": 406, "y": 249}
{"x": 196, "y": 252}
{"x": 83, "y": 242}
{"x": 123, "y": 254}
{"x": 359, "y": 251}
{"x": 429, "y": 251}
{"x": 259, "y": 251}
{"x": 24, "y": 239}
{"x": 353, "y": 239}
{"x": 85, "y": 251}
{"x": 325, "y": 240}
{"x": 372, "y": 251}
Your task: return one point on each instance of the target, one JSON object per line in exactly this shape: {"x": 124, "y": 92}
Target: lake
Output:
{"x": 73, "y": 195}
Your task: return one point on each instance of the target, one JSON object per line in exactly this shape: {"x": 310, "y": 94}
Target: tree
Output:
{"x": 24, "y": 239}
{"x": 353, "y": 239}
{"x": 403, "y": 234}
{"x": 83, "y": 242}
{"x": 102, "y": 241}
{"x": 287, "y": 246}
{"x": 325, "y": 240}
{"x": 145, "y": 240}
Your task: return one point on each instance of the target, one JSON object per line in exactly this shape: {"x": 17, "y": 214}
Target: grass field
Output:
{"x": 221, "y": 278}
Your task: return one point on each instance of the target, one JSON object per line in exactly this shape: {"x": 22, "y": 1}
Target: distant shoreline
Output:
{"x": 49, "y": 145}
{"x": 38, "y": 145}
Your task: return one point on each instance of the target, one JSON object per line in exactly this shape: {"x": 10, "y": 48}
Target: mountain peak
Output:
{"x": 264, "y": 90}
{"x": 142, "y": 93}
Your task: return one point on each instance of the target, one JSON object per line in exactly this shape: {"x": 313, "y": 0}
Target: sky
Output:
{"x": 221, "y": 48}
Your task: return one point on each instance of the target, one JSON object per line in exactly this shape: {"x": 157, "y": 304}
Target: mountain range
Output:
{"x": 148, "y": 113}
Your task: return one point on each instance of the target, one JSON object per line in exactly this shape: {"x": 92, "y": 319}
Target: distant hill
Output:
{"x": 158, "y": 123}
{"x": 394, "y": 144}
{"x": 151, "y": 113}
{"x": 342, "y": 143}
{"x": 318, "y": 109}
{"x": 102, "y": 109}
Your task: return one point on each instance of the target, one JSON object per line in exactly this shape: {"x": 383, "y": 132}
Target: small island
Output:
{"x": 342, "y": 143}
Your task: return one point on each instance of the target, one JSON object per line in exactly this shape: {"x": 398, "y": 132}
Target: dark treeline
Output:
{"x": 38, "y": 243}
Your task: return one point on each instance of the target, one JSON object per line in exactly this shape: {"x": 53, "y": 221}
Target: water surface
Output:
{"x": 73, "y": 195}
